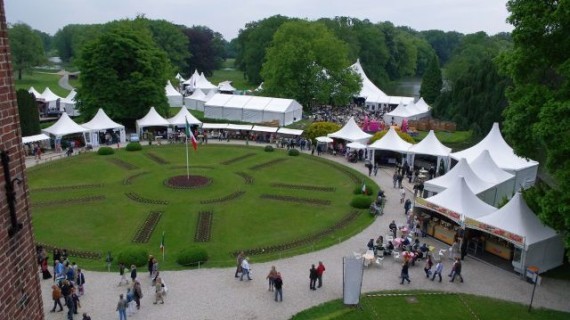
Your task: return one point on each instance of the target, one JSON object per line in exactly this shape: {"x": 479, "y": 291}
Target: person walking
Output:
{"x": 122, "y": 269}
{"x": 80, "y": 282}
{"x": 278, "y": 287}
{"x": 56, "y": 296}
{"x": 150, "y": 263}
{"x": 122, "y": 307}
{"x": 312, "y": 277}
{"x": 402, "y": 194}
{"x": 404, "y": 274}
{"x": 158, "y": 291}
{"x": 133, "y": 273}
{"x": 320, "y": 270}
{"x": 271, "y": 278}
{"x": 137, "y": 290}
{"x": 457, "y": 270}
{"x": 245, "y": 269}
{"x": 438, "y": 270}
{"x": 428, "y": 265}
{"x": 239, "y": 260}
{"x": 395, "y": 178}
{"x": 407, "y": 206}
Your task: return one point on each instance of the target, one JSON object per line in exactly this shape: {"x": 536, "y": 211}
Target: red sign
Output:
{"x": 441, "y": 210}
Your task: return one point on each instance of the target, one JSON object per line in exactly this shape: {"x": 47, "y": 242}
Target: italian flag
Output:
{"x": 190, "y": 136}
{"x": 162, "y": 242}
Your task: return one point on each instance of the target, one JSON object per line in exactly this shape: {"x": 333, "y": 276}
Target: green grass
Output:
{"x": 40, "y": 81}
{"x": 229, "y": 72}
{"x": 433, "y": 306}
{"x": 245, "y": 223}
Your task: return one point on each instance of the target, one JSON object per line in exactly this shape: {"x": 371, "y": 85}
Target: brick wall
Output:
{"x": 20, "y": 291}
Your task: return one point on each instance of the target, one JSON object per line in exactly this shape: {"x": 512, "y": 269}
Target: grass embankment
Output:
{"x": 40, "y": 81}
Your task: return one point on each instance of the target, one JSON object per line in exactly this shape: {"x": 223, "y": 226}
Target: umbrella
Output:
{"x": 324, "y": 139}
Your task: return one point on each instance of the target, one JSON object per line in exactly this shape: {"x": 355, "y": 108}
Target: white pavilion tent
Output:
{"x": 539, "y": 245}
{"x": 391, "y": 141}
{"x": 52, "y": 99}
{"x": 64, "y": 126}
{"x": 151, "y": 119}
{"x": 291, "y": 132}
{"x": 36, "y": 94}
{"x": 400, "y": 113}
{"x": 524, "y": 170}
{"x": 226, "y": 87}
{"x": 196, "y": 100}
{"x": 422, "y": 106}
{"x": 485, "y": 190}
{"x": 264, "y": 129}
{"x": 233, "y": 108}
{"x": 68, "y": 104}
{"x": 190, "y": 83}
{"x": 35, "y": 138}
{"x": 214, "y": 126}
{"x": 182, "y": 117}
{"x": 430, "y": 145}
{"x": 205, "y": 85}
{"x": 487, "y": 169}
{"x": 179, "y": 77}
{"x": 101, "y": 123}
{"x": 350, "y": 132}
{"x": 174, "y": 97}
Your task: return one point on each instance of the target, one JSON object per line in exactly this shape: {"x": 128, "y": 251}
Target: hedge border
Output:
{"x": 246, "y": 177}
{"x": 122, "y": 164}
{"x": 64, "y": 202}
{"x": 154, "y": 157}
{"x": 295, "y": 199}
{"x": 303, "y": 187}
{"x": 231, "y": 196}
{"x": 84, "y": 254}
{"x": 267, "y": 164}
{"x": 236, "y": 159}
{"x": 204, "y": 226}
{"x": 77, "y": 186}
{"x": 138, "y": 198}
{"x": 144, "y": 232}
{"x": 129, "y": 180}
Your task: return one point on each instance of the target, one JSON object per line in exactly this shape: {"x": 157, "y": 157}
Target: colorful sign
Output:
{"x": 511, "y": 237}
{"x": 455, "y": 216}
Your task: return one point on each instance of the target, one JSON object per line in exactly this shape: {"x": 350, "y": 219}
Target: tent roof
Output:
{"x": 369, "y": 89}
{"x": 391, "y": 141}
{"x": 226, "y": 86}
{"x": 33, "y": 91}
{"x": 232, "y": 126}
{"x": 34, "y": 138}
{"x": 182, "y": 116}
{"x": 192, "y": 80}
{"x": 253, "y": 103}
{"x": 214, "y": 125}
{"x": 238, "y": 102}
{"x": 488, "y": 170}
{"x": 324, "y": 139}
{"x": 294, "y": 132}
{"x": 517, "y": 218}
{"x": 151, "y": 119}
{"x": 259, "y": 103}
{"x": 350, "y": 132}
{"x": 282, "y": 105}
{"x": 460, "y": 199}
{"x": 179, "y": 77}
{"x": 198, "y": 94}
{"x": 500, "y": 152}
{"x": 265, "y": 129}
{"x": 203, "y": 83}
{"x": 430, "y": 145}
{"x": 422, "y": 105}
{"x": 462, "y": 169}
{"x": 401, "y": 111}
{"x": 101, "y": 121}
{"x": 356, "y": 145}
{"x": 218, "y": 99}
{"x": 48, "y": 95}
{"x": 64, "y": 126}
{"x": 70, "y": 97}
{"x": 171, "y": 91}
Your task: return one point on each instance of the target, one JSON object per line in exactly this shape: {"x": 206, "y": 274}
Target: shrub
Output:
{"x": 361, "y": 202}
{"x": 133, "y": 146}
{"x": 268, "y": 149}
{"x": 369, "y": 190}
{"x": 293, "y": 152}
{"x": 378, "y": 135}
{"x": 191, "y": 256}
{"x": 133, "y": 255}
{"x": 105, "y": 151}
{"x": 317, "y": 129}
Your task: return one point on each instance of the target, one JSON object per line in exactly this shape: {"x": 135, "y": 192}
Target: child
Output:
{"x": 402, "y": 194}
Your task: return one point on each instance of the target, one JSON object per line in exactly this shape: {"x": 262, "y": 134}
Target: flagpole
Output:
{"x": 187, "y": 164}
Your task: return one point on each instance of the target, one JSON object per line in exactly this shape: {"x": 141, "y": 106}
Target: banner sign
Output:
{"x": 511, "y": 237}
{"x": 455, "y": 216}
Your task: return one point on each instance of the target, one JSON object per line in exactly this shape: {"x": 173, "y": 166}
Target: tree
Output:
{"x": 69, "y": 40}
{"x": 308, "y": 63}
{"x": 537, "y": 120}
{"x": 431, "y": 82}
{"x": 207, "y": 48}
{"x": 170, "y": 38}
{"x": 26, "y": 48}
{"x": 28, "y": 111}
{"x": 444, "y": 43}
{"x": 123, "y": 71}
{"x": 319, "y": 129}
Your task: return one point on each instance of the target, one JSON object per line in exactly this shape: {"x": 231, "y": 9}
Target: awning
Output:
{"x": 293, "y": 132}
{"x": 34, "y": 138}
{"x": 265, "y": 129}
{"x": 214, "y": 125}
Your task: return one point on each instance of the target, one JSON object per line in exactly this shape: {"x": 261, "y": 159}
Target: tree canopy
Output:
{"x": 26, "y": 48}
{"x": 207, "y": 48}
{"x": 28, "y": 111}
{"x": 123, "y": 71}
{"x": 431, "y": 82}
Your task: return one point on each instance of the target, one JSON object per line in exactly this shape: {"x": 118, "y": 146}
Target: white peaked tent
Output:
{"x": 63, "y": 127}
{"x": 515, "y": 222}
{"x": 458, "y": 203}
{"x": 51, "y": 98}
{"x": 391, "y": 141}
{"x": 485, "y": 190}
{"x": 430, "y": 145}
{"x": 422, "y": 106}
{"x": 101, "y": 123}
{"x": 400, "y": 113}
{"x": 524, "y": 170}
{"x": 196, "y": 100}
{"x": 174, "y": 97}
{"x": 488, "y": 170}
{"x": 179, "y": 77}
{"x": 350, "y": 132}
{"x": 226, "y": 87}
{"x": 204, "y": 84}
{"x": 151, "y": 119}
{"x": 36, "y": 94}
{"x": 68, "y": 104}
{"x": 182, "y": 116}
{"x": 191, "y": 82}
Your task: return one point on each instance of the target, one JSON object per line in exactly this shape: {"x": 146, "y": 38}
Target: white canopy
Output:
{"x": 49, "y": 96}
{"x": 203, "y": 83}
{"x": 488, "y": 170}
{"x": 174, "y": 97}
{"x": 457, "y": 202}
{"x": 356, "y": 145}
{"x": 36, "y": 94}
{"x": 179, "y": 77}
{"x": 64, "y": 126}
{"x": 69, "y": 104}
{"x": 293, "y": 132}
{"x": 324, "y": 139}
{"x": 214, "y": 125}
{"x": 462, "y": 169}
{"x": 182, "y": 116}
{"x": 152, "y": 119}
{"x": 391, "y": 141}
{"x": 196, "y": 100}
{"x": 101, "y": 121}
{"x": 246, "y": 127}
{"x": 430, "y": 145}
{"x": 226, "y": 86}
{"x": 264, "y": 129}
{"x": 191, "y": 82}
{"x": 34, "y": 138}
{"x": 70, "y": 98}
{"x": 350, "y": 132}
{"x": 422, "y": 106}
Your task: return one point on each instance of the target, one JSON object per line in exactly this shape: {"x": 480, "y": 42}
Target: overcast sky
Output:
{"x": 227, "y": 16}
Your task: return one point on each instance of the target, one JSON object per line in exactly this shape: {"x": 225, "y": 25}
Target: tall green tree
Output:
{"x": 69, "y": 40}
{"x": 207, "y": 48}
{"x": 537, "y": 121}
{"x": 432, "y": 81}
{"x": 308, "y": 63}
{"x": 26, "y": 48}
{"x": 444, "y": 43}
{"x": 123, "y": 71}
{"x": 28, "y": 111}
{"x": 171, "y": 39}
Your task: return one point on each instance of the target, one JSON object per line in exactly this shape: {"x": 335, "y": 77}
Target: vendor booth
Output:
{"x": 430, "y": 146}
{"x": 66, "y": 127}
{"x": 350, "y": 132}
{"x": 391, "y": 141}
{"x": 103, "y": 130}
{"x": 487, "y": 169}
{"x": 151, "y": 119}
{"x": 172, "y": 95}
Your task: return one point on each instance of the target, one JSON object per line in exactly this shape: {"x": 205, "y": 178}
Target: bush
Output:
{"x": 369, "y": 190}
{"x": 105, "y": 151}
{"x": 133, "y": 146}
{"x": 380, "y": 134}
{"x": 133, "y": 255}
{"x": 268, "y": 149}
{"x": 361, "y": 202}
{"x": 192, "y": 256}
{"x": 293, "y": 152}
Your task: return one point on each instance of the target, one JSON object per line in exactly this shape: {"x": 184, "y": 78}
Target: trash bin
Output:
{"x": 532, "y": 274}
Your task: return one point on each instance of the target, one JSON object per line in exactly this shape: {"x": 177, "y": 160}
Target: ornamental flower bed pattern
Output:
{"x": 156, "y": 158}
{"x": 349, "y": 173}
{"x": 91, "y": 255}
{"x": 236, "y": 159}
{"x": 303, "y": 187}
{"x": 267, "y": 164}
{"x": 145, "y": 230}
{"x": 296, "y": 199}
{"x": 246, "y": 177}
{"x": 187, "y": 182}
{"x": 229, "y": 197}
{"x": 66, "y": 202}
{"x": 122, "y": 164}
{"x": 129, "y": 180}
{"x": 70, "y": 187}
{"x": 137, "y": 198}
{"x": 204, "y": 226}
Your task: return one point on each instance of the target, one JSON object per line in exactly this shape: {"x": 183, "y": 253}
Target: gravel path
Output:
{"x": 216, "y": 294}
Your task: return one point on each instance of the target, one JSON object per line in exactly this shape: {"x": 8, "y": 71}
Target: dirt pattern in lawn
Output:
{"x": 122, "y": 164}
{"x": 303, "y": 187}
{"x": 145, "y": 230}
{"x": 236, "y": 159}
{"x": 138, "y": 198}
{"x": 295, "y": 199}
{"x": 353, "y": 176}
{"x": 248, "y": 179}
{"x": 129, "y": 180}
{"x": 346, "y": 220}
{"x": 66, "y": 202}
{"x": 154, "y": 157}
{"x": 84, "y": 254}
{"x": 70, "y": 187}
{"x": 204, "y": 226}
{"x": 229, "y": 197}
{"x": 187, "y": 182}
{"x": 267, "y": 164}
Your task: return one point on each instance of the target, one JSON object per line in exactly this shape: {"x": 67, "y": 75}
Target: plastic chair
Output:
{"x": 396, "y": 256}
{"x": 379, "y": 261}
